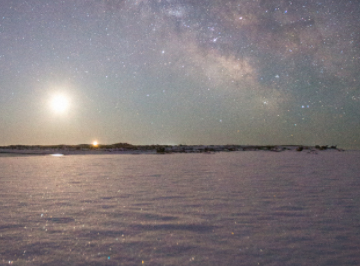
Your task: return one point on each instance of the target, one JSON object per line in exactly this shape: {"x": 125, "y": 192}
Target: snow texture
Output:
{"x": 240, "y": 208}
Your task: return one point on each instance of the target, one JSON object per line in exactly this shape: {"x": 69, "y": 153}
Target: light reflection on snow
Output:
{"x": 57, "y": 155}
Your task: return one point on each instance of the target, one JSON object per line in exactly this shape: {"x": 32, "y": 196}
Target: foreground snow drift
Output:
{"x": 243, "y": 208}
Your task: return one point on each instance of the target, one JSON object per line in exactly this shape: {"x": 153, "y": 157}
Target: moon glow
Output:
{"x": 59, "y": 103}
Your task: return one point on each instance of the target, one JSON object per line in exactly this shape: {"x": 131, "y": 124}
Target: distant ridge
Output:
{"x": 126, "y": 148}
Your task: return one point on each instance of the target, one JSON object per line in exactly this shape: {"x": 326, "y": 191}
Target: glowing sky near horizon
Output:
{"x": 181, "y": 72}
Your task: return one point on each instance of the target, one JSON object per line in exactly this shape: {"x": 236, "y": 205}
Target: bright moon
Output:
{"x": 59, "y": 103}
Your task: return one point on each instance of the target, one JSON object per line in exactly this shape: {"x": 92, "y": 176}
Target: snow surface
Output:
{"x": 239, "y": 208}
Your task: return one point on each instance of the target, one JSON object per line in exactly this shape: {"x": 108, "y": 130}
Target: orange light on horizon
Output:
{"x": 95, "y": 143}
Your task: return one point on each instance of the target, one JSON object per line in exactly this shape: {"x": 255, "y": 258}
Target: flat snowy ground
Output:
{"x": 239, "y": 208}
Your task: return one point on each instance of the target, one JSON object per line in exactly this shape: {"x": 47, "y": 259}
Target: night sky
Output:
{"x": 180, "y": 72}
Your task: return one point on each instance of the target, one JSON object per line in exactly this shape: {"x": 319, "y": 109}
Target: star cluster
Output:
{"x": 181, "y": 71}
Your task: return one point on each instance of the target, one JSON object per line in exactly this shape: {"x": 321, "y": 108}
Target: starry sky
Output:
{"x": 180, "y": 72}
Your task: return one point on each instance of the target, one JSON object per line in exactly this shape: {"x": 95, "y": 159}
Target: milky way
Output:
{"x": 181, "y": 72}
